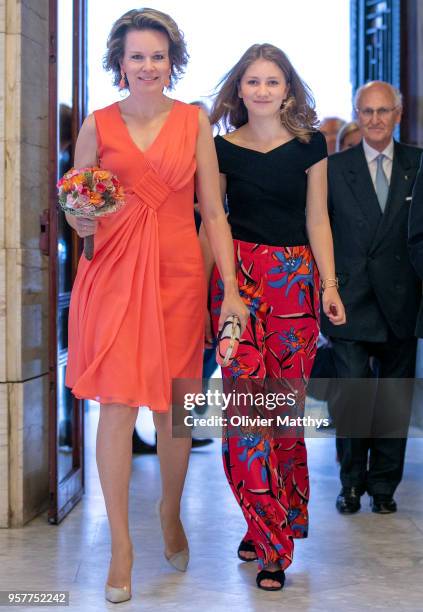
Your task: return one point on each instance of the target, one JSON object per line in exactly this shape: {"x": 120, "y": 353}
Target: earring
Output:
{"x": 122, "y": 82}
{"x": 289, "y": 100}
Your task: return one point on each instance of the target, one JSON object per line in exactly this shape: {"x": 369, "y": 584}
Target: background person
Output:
{"x": 330, "y": 126}
{"x": 348, "y": 136}
{"x": 369, "y": 189}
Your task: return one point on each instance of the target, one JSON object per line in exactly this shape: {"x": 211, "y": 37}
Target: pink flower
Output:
{"x": 70, "y": 202}
{"x": 72, "y": 172}
{"x": 89, "y": 191}
{"x": 82, "y": 190}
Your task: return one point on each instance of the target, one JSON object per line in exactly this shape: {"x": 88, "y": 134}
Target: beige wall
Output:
{"x": 23, "y": 270}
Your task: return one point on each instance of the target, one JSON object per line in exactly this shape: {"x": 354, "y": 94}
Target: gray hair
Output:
{"x": 396, "y": 94}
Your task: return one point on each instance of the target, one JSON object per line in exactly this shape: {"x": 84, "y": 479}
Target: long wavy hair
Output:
{"x": 297, "y": 112}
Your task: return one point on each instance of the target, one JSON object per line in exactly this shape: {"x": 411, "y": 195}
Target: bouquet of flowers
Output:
{"x": 90, "y": 192}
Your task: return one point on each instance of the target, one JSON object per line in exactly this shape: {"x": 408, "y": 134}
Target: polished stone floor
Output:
{"x": 362, "y": 562}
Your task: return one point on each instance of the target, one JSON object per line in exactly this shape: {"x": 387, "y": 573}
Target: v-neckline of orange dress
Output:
{"x": 157, "y": 138}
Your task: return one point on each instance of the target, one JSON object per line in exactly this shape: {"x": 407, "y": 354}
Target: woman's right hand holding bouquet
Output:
{"x": 89, "y": 193}
{"x": 85, "y": 226}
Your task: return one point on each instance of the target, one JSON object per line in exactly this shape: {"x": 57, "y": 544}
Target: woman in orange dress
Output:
{"x": 138, "y": 307}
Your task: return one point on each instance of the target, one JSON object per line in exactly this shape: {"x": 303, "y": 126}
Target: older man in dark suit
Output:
{"x": 370, "y": 188}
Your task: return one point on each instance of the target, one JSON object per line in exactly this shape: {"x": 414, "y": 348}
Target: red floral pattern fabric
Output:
{"x": 268, "y": 475}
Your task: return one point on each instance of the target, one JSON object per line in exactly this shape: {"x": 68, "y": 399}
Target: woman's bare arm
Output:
{"x": 204, "y": 241}
{"x": 215, "y": 222}
{"x": 85, "y": 156}
{"x": 320, "y": 236}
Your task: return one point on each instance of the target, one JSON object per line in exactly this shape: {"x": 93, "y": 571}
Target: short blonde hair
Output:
{"x": 146, "y": 19}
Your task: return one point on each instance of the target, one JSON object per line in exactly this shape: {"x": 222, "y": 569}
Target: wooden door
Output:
{"x": 67, "y": 94}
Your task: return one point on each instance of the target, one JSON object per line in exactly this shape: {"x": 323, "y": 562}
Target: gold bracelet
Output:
{"x": 329, "y": 282}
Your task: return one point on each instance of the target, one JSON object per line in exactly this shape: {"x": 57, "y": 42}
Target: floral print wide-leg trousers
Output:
{"x": 268, "y": 475}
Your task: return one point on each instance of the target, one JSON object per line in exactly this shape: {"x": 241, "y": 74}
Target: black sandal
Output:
{"x": 278, "y": 576}
{"x": 246, "y": 546}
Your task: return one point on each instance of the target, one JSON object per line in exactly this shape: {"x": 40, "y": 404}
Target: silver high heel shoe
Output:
{"x": 117, "y": 594}
{"x": 178, "y": 560}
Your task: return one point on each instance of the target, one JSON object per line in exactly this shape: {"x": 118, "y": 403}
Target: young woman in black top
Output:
{"x": 272, "y": 167}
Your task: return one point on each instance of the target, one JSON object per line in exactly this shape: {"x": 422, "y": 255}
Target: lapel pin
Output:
{"x": 406, "y": 177}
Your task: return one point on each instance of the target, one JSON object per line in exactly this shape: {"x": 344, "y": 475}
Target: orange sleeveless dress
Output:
{"x": 137, "y": 309}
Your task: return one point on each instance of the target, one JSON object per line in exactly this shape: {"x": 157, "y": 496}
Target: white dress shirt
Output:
{"x": 371, "y": 155}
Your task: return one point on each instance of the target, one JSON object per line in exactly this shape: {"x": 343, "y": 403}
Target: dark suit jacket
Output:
{"x": 378, "y": 285}
{"x": 415, "y": 237}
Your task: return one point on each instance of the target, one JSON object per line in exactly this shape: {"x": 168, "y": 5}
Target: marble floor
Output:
{"x": 362, "y": 562}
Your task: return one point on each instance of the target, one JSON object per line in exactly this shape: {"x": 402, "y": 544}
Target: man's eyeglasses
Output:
{"x": 382, "y": 112}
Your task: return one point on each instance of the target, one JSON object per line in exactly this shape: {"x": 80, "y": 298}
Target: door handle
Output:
{"x": 44, "y": 232}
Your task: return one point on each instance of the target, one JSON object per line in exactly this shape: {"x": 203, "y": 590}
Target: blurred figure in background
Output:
{"x": 330, "y": 126}
{"x": 348, "y": 136}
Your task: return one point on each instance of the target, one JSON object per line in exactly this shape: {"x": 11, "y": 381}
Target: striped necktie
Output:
{"x": 382, "y": 184}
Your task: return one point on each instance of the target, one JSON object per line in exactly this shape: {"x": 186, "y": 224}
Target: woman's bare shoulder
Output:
{"x": 235, "y": 136}
{"x": 89, "y": 125}
{"x": 86, "y": 145}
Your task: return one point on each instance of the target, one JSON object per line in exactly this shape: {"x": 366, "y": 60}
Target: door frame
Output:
{"x": 63, "y": 495}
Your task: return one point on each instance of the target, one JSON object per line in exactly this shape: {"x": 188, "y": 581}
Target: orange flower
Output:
{"x": 67, "y": 185}
{"x": 90, "y": 187}
{"x": 96, "y": 199}
{"x": 101, "y": 175}
{"x": 120, "y": 194}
